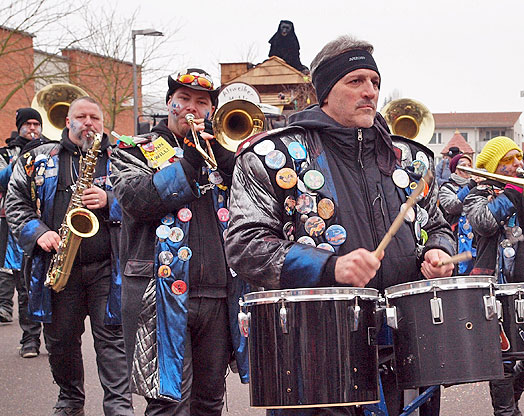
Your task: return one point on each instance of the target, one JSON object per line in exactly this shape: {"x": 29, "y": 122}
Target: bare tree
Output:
{"x": 106, "y": 71}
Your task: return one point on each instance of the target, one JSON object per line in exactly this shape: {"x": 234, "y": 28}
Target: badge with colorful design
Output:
{"x": 305, "y": 204}
{"x": 184, "y": 214}
{"x": 314, "y": 179}
{"x": 184, "y": 253}
{"x": 336, "y": 235}
{"x": 223, "y": 214}
{"x": 179, "y": 287}
{"x": 315, "y": 226}
{"x": 297, "y": 151}
{"x": 307, "y": 240}
{"x": 326, "y": 208}
{"x": 286, "y": 178}
{"x": 264, "y": 147}
{"x": 275, "y": 159}
{"x": 164, "y": 271}
{"x": 289, "y": 205}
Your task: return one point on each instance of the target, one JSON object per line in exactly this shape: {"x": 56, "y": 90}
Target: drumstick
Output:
{"x": 412, "y": 199}
{"x": 456, "y": 259}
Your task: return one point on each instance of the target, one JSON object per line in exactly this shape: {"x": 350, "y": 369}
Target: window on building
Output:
{"x": 436, "y": 139}
{"x": 494, "y": 133}
{"x": 465, "y": 135}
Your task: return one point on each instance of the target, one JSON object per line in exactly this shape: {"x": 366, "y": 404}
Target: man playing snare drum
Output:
{"x": 495, "y": 210}
{"x": 350, "y": 178}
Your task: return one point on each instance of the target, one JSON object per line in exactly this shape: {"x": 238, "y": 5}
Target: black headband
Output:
{"x": 330, "y": 71}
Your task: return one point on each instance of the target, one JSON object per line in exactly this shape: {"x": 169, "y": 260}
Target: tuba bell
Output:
{"x": 235, "y": 121}
{"x": 409, "y": 118}
{"x": 53, "y": 102}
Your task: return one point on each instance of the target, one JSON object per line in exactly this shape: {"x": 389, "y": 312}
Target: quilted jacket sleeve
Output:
{"x": 21, "y": 214}
{"x": 144, "y": 194}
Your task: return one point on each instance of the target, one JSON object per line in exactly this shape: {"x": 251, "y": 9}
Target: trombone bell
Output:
{"x": 409, "y": 118}
{"x": 235, "y": 121}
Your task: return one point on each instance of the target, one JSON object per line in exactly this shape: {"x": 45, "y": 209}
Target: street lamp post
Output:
{"x": 134, "y": 34}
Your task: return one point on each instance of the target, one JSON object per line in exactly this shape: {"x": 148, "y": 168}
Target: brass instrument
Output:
{"x": 78, "y": 223}
{"x": 52, "y": 102}
{"x": 209, "y": 158}
{"x": 235, "y": 121}
{"x": 409, "y": 118}
{"x": 495, "y": 176}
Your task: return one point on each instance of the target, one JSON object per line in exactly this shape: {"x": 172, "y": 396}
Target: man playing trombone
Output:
{"x": 174, "y": 199}
{"x": 495, "y": 210}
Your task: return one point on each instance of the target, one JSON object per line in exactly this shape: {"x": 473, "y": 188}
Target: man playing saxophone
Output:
{"x": 44, "y": 181}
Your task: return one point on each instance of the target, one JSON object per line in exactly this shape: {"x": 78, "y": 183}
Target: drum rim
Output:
{"x": 509, "y": 288}
{"x": 309, "y": 295}
{"x": 439, "y": 284}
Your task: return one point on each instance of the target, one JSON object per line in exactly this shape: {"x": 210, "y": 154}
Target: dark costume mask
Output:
{"x": 284, "y": 44}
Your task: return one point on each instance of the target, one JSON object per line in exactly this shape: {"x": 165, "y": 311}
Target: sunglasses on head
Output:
{"x": 195, "y": 80}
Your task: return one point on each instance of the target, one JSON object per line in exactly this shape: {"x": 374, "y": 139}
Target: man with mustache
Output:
{"x": 43, "y": 182}
{"x": 356, "y": 176}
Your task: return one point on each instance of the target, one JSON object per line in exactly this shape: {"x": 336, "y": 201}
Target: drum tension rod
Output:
{"x": 436, "y": 308}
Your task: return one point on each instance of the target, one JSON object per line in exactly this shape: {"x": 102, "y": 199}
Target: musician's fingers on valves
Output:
{"x": 357, "y": 267}
{"x": 48, "y": 241}
{"x": 94, "y": 198}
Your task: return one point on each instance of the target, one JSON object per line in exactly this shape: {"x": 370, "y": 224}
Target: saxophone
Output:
{"x": 78, "y": 222}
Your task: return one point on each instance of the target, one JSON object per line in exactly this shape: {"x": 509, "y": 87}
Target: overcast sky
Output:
{"x": 460, "y": 55}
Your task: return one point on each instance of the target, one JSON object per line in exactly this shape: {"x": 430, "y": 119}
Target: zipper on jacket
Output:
{"x": 369, "y": 204}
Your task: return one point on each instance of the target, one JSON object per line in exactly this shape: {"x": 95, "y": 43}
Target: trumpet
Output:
{"x": 517, "y": 181}
{"x": 209, "y": 158}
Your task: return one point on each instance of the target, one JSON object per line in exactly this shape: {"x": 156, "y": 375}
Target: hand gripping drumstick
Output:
{"x": 412, "y": 199}
{"x": 456, "y": 259}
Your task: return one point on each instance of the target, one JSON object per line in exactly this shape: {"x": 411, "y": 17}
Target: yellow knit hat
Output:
{"x": 493, "y": 151}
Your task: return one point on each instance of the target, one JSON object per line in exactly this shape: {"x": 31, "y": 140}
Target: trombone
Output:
{"x": 517, "y": 181}
{"x": 233, "y": 123}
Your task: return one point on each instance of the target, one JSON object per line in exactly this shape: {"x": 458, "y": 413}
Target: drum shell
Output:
{"x": 463, "y": 348}
{"x": 514, "y": 331}
{"x": 319, "y": 362}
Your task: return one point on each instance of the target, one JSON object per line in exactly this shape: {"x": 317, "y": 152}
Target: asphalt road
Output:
{"x": 27, "y": 389}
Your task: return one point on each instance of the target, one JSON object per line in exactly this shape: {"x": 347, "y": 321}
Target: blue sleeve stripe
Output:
{"x": 30, "y": 233}
{"x": 463, "y": 193}
{"x": 5, "y": 174}
{"x": 172, "y": 185}
{"x": 303, "y": 266}
{"x": 501, "y": 208}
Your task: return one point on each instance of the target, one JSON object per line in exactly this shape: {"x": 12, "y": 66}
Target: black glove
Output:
{"x": 225, "y": 159}
{"x": 517, "y": 200}
{"x": 472, "y": 184}
{"x": 191, "y": 155}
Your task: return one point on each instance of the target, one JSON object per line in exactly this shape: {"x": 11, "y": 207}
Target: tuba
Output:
{"x": 409, "y": 118}
{"x": 78, "y": 223}
{"x": 53, "y": 102}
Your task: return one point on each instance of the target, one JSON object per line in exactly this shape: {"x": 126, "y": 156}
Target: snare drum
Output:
{"x": 445, "y": 331}
{"x": 511, "y": 315}
{"x": 311, "y": 347}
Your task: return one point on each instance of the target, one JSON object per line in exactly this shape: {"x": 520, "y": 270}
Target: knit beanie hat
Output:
{"x": 24, "y": 114}
{"x": 493, "y": 151}
{"x": 454, "y": 162}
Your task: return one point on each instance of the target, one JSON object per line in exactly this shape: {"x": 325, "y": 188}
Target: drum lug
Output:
{"x": 436, "y": 310}
{"x": 283, "y": 319}
{"x": 354, "y": 317}
{"x": 243, "y": 323}
{"x": 490, "y": 307}
{"x": 519, "y": 310}
{"x": 391, "y": 317}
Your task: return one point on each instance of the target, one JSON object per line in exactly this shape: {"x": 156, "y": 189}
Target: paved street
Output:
{"x": 27, "y": 389}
